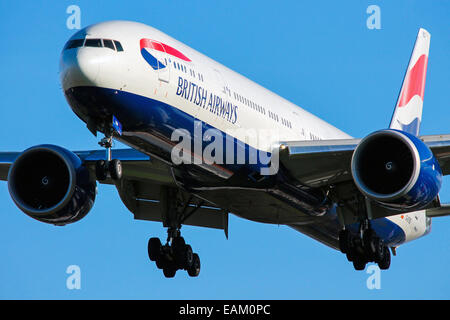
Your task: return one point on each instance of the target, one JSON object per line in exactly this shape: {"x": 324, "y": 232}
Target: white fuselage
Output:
{"x": 248, "y": 105}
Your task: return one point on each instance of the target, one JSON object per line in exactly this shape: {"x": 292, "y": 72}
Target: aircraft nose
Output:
{"x": 79, "y": 67}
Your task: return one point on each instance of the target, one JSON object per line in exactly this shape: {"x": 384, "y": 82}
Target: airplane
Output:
{"x": 204, "y": 142}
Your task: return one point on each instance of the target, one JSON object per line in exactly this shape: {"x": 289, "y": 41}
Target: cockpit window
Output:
{"x": 108, "y": 44}
{"x": 97, "y": 43}
{"x": 118, "y": 45}
{"x": 93, "y": 43}
{"x": 74, "y": 44}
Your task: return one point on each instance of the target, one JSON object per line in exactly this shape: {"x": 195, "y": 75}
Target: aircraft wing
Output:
{"x": 140, "y": 186}
{"x": 440, "y": 145}
{"x": 318, "y": 163}
{"x": 325, "y": 162}
{"x": 89, "y": 157}
{"x": 442, "y": 211}
{"x": 6, "y": 159}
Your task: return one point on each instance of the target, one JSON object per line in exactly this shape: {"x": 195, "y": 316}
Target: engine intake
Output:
{"x": 396, "y": 169}
{"x": 50, "y": 184}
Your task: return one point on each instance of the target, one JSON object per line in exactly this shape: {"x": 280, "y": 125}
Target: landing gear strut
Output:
{"x": 364, "y": 247}
{"x": 113, "y": 167}
{"x": 176, "y": 254}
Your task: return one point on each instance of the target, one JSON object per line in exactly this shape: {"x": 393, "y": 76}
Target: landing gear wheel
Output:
{"x": 178, "y": 248}
{"x": 350, "y": 251}
{"x": 194, "y": 270}
{"x": 189, "y": 257}
{"x": 154, "y": 249}
{"x": 178, "y": 244}
{"x": 385, "y": 263}
{"x": 350, "y": 255}
{"x": 101, "y": 172}
{"x": 115, "y": 169}
{"x": 380, "y": 250}
{"x": 369, "y": 242}
{"x": 359, "y": 264}
{"x": 182, "y": 253}
{"x": 169, "y": 271}
{"x": 161, "y": 262}
{"x": 173, "y": 257}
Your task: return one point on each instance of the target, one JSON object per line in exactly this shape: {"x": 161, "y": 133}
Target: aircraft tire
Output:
{"x": 359, "y": 264}
{"x": 154, "y": 248}
{"x": 385, "y": 263}
{"x": 100, "y": 170}
{"x": 169, "y": 271}
{"x": 194, "y": 270}
{"x": 115, "y": 169}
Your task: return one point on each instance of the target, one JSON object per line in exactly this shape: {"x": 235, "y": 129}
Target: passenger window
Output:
{"x": 118, "y": 45}
{"x": 93, "y": 43}
{"x": 108, "y": 44}
{"x": 74, "y": 44}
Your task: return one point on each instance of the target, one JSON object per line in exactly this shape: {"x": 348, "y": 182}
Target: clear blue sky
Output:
{"x": 318, "y": 54}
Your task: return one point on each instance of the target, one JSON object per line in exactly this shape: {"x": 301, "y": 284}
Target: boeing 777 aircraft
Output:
{"x": 205, "y": 142}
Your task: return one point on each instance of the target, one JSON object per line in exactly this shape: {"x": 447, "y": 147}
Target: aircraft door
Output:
{"x": 159, "y": 59}
{"x": 164, "y": 66}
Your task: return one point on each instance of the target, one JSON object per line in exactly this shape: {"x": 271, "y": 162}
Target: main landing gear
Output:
{"x": 176, "y": 206}
{"x": 364, "y": 247}
{"x": 174, "y": 255}
{"x": 111, "y": 167}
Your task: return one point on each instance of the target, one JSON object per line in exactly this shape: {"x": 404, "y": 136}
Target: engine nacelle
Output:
{"x": 396, "y": 169}
{"x": 50, "y": 184}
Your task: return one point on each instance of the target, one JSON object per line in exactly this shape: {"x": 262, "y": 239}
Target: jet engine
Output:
{"x": 50, "y": 184}
{"x": 396, "y": 169}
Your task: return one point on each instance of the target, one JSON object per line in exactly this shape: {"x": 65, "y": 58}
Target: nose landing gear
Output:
{"x": 104, "y": 167}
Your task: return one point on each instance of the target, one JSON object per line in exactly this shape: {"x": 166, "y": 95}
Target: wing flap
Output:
{"x": 440, "y": 146}
{"x": 442, "y": 211}
{"x": 204, "y": 216}
{"x": 318, "y": 163}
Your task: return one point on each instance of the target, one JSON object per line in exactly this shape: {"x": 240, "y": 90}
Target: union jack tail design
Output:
{"x": 408, "y": 110}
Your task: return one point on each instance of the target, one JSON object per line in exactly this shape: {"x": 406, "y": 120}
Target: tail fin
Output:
{"x": 408, "y": 111}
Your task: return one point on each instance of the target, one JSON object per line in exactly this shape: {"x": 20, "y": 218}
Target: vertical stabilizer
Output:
{"x": 408, "y": 110}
